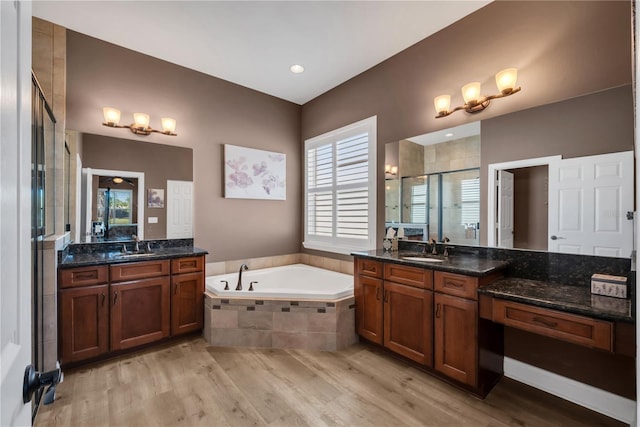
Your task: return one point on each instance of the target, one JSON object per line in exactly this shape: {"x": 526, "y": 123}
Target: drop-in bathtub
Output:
{"x": 297, "y": 281}
{"x": 294, "y": 306}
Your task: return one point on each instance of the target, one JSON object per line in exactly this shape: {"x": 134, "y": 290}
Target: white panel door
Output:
{"x": 505, "y": 209}
{"x": 589, "y": 198}
{"x": 179, "y": 209}
{"x": 15, "y": 209}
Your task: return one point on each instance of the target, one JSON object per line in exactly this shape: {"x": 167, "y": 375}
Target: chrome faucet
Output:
{"x": 243, "y": 267}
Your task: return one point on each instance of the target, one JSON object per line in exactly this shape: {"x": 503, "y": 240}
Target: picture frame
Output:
{"x": 155, "y": 198}
{"x": 250, "y": 173}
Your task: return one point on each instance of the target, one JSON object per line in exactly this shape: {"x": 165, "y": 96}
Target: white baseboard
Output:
{"x": 598, "y": 400}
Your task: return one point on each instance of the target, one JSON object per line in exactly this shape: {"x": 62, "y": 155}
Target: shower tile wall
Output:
{"x": 458, "y": 154}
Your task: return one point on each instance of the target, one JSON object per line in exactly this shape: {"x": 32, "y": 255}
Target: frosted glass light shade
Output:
{"x": 506, "y": 80}
{"x": 111, "y": 115}
{"x": 471, "y": 92}
{"x": 442, "y": 103}
{"x": 168, "y": 125}
{"x": 394, "y": 170}
{"x": 141, "y": 120}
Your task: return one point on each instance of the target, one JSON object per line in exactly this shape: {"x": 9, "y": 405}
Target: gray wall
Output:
{"x": 563, "y": 49}
{"x": 210, "y": 112}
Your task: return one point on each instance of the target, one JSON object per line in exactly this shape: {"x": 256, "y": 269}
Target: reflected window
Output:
{"x": 120, "y": 205}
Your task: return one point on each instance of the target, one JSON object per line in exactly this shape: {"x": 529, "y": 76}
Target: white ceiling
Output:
{"x": 253, "y": 43}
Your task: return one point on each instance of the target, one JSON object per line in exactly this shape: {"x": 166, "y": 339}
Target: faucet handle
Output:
{"x": 124, "y": 249}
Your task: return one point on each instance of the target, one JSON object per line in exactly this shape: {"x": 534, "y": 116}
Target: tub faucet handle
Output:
{"x": 251, "y": 286}
{"x": 226, "y": 284}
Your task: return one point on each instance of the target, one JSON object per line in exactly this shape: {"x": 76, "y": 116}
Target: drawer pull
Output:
{"x": 455, "y": 284}
{"x": 369, "y": 268}
{"x": 103, "y": 298}
{"x": 86, "y": 275}
{"x": 438, "y": 310}
{"x": 188, "y": 264}
{"x": 386, "y": 296}
{"x": 115, "y": 297}
{"x": 378, "y": 294}
{"x": 544, "y": 322}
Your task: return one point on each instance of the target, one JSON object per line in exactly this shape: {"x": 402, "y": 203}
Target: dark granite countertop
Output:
{"x": 88, "y": 258}
{"x": 463, "y": 264}
{"x": 566, "y": 298}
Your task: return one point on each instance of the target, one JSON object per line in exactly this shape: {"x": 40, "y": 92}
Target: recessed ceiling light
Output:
{"x": 448, "y": 135}
{"x": 296, "y": 69}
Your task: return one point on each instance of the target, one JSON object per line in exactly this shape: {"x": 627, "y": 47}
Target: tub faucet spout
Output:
{"x": 243, "y": 267}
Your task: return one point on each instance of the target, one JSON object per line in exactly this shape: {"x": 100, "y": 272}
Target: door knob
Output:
{"x": 556, "y": 237}
{"x": 35, "y": 380}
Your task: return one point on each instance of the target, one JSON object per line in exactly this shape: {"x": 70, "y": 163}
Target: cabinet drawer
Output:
{"x": 412, "y": 276}
{"x": 83, "y": 276}
{"x": 187, "y": 265}
{"x": 569, "y": 327}
{"x": 139, "y": 270}
{"x": 368, "y": 267}
{"x": 456, "y": 284}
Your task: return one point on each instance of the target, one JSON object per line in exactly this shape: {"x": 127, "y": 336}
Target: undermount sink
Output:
{"x": 134, "y": 255}
{"x": 422, "y": 259}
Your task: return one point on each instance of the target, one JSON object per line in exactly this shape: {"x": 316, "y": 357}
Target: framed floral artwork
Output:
{"x": 254, "y": 174}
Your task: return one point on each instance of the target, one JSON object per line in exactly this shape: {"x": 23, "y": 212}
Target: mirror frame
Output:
{"x": 89, "y": 173}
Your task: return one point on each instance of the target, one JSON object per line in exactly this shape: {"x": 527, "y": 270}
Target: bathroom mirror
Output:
{"x": 520, "y": 144}
{"x": 149, "y": 171}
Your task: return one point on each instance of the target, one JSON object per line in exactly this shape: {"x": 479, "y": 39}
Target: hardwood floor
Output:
{"x": 191, "y": 383}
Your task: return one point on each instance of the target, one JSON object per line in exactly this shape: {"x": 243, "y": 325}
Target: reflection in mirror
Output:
{"x": 158, "y": 167}
{"x": 115, "y": 208}
{"x": 439, "y": 188}
{"x": 392, "y": 200}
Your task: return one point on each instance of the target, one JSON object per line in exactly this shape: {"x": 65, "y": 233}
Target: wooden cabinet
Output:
{"x": 408, "y": 322}
{"x": 139, "y": 312}
{"x": 120, "y": 306}
{"x": 187, "y": 303}
{"x": 84, "y": 320}
{"x": 394, "y": 309}
{"x": 430, "y": 317}
{"x": 456, "y": 340}
{"x": 368, "y": 295}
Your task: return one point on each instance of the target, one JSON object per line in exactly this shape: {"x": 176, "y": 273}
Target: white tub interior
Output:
{"x": 297, "y": 281}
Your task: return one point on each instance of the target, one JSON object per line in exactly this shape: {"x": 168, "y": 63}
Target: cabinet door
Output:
{"x": 456, "y": 338}
{"x": 408, "y": 322}
{"x": 84, "y": 322}
{"x": 139, "y": 312}
{"x": 187, "y": 303}
{"x": 368, "y": 293}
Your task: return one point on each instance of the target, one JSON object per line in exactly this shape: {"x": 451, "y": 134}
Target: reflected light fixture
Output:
{"x": 140, "y": 125}
{"x": 117, "y": 180}
{"x": 473, "y": 101}
{"x": 391, "y": 170}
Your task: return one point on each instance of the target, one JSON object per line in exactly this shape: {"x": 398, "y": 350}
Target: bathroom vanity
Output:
{"x": 427, "y": 311}
{"x": 109, "y": 301}
{"x": 449, "y": 314}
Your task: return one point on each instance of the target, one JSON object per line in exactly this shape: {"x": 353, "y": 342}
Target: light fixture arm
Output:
{"x": 137, "y": 130}
{"x": 480, "y": 104}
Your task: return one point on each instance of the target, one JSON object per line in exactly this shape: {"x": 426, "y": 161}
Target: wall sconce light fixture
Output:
{"x": 391, "y": 170}
{"x": 473, "y": 101}
{"x": 140, "y": 125}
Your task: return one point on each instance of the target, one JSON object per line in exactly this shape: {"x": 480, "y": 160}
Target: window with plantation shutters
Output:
{"x": 470, "y": 201}
{"x": 340, "y": 190}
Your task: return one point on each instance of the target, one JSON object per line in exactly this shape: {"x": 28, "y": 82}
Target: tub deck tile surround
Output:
{"x": 310, "y": 325}
{"x": 313, "y": 325}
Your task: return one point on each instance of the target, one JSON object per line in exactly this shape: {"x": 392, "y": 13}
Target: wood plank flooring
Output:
{"x": 191, "y": 383}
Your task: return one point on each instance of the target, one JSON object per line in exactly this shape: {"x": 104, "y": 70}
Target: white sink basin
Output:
{"x": 421, "y": 259}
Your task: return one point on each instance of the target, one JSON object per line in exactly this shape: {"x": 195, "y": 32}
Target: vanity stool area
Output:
{"x": 110, "y": 301}
{"x": 463, "y": 317}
